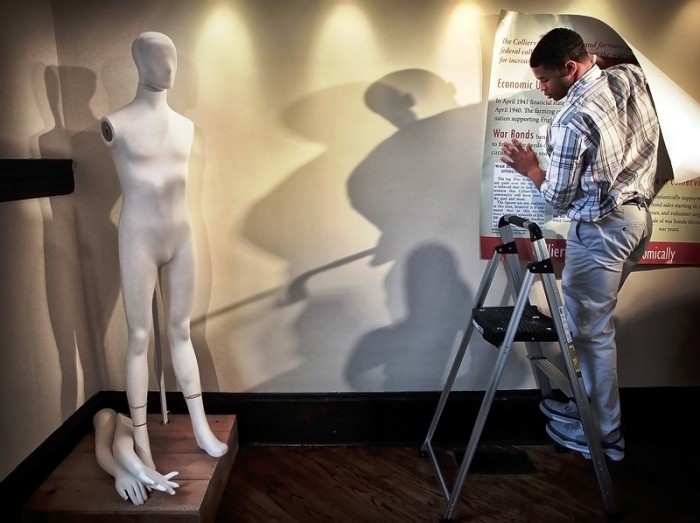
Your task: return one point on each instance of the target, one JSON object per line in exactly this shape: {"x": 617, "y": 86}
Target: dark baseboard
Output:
{"x": 373, "y": 419}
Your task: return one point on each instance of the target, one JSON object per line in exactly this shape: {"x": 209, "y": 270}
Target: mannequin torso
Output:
{"x": 151, "y": 150}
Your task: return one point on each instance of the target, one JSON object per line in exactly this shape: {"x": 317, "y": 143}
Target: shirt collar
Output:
{"x": 580, "y": 85}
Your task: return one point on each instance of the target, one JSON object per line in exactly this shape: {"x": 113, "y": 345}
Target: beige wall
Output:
{"x": 294, "y": 180}
{"x": 47, "y": 364}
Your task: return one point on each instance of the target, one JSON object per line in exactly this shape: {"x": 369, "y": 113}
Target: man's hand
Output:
{"x": 609, "y": 61}
{"x": 523, "y": 160}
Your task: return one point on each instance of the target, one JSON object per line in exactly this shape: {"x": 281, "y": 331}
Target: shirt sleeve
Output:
{"x": 566, "y": 164}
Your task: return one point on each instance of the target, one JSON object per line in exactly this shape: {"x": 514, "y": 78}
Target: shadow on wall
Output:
{"x": 301, "y": 219}
{"x": 414, "y": 187}
{"x": 420, "y": 188}
{"x": 305, "y": 220}
{"x": 67, "y": 306}
{"x": 416, "y": 349}
{"x": 96, "y": 193}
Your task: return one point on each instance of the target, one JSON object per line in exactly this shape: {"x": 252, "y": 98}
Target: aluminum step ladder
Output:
{"x": 522, "y": 322}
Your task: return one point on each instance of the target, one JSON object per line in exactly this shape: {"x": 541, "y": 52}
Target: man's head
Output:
{"x": 558, "y": 60}
{"x": 156, "y": 60}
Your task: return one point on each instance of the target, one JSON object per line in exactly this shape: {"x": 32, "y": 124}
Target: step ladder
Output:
{"x": 522, "y": 322}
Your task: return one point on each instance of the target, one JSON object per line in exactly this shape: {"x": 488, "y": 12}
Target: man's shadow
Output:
{"x": 415, "y": 184}
{"x": 297, "y": 220}
{"x": 420, "y": 187}
{"x": 396, "y": 356}
{"x": 305, "y": 221}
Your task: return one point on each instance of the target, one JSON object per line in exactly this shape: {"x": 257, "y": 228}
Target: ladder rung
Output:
{"x": 492, "y": 323}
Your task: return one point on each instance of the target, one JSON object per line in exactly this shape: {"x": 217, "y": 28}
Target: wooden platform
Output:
{"x": 80, "y": 491}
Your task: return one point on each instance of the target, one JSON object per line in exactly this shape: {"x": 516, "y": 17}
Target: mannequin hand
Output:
{"x": 152, "y": 479}
{"x": 128, "y": 487}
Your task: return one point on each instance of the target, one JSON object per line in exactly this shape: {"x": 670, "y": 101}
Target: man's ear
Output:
{"x": 571, "y": 67}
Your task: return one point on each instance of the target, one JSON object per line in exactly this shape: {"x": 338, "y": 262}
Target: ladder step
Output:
{"x": 492, "y": 323}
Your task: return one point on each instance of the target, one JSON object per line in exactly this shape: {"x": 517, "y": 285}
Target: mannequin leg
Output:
{"x": 139, "y": 276}
{"x": 178, "y": 296}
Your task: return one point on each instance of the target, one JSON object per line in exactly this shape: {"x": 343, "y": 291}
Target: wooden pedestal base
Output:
{"x": 80, "y": 491}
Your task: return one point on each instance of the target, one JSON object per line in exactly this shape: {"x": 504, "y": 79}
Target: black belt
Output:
{"x": 637, "y": 200}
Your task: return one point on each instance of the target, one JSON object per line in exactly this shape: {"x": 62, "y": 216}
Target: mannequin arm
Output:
{"x": 123, "y": 449}
{"x": 126, "y": 485}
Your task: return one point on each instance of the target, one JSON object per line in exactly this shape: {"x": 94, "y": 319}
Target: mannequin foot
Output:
{"x": 206, "y": 439}
{"x": 209, "y": 443}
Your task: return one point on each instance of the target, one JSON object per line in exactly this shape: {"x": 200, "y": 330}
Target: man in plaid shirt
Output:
{"x": 602, "y": 148}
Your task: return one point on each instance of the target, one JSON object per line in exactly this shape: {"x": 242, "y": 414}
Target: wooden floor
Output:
{"x": 536, "y": 484}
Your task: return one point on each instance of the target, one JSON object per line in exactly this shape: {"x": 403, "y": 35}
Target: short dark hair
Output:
{"x": 557, "y": 47}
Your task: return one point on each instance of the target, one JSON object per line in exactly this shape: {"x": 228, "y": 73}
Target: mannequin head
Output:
{"x": 156, "y": 60}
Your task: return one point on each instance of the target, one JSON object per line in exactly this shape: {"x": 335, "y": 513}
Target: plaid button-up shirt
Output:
{"x": 602, "y": 145}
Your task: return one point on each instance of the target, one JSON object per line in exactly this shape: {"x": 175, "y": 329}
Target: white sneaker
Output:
{"x": 570, "y": 436}
{"x": 559, "y": 411}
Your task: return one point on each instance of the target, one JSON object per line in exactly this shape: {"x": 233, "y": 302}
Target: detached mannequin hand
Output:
{"x": 128, "y": 487}
{"x": 154, "y": 480}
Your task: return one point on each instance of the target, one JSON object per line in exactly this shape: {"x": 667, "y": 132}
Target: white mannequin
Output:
{"x": 150, "y": 146}
{"x": 114, "y": 450}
